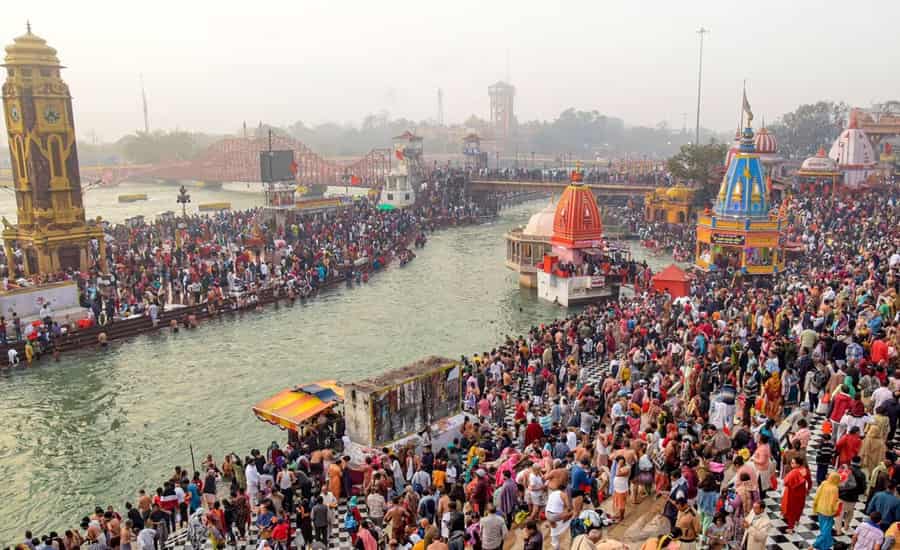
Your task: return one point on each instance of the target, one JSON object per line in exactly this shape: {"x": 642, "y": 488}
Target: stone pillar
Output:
{"x": 44, "y": 259}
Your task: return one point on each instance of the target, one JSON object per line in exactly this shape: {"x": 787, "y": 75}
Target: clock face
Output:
{"x": 51, "y": 114}
{"x": 14, "y": 113}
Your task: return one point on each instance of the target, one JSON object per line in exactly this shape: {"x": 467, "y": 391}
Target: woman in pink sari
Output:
{"x": 509, "y": 465}
{"x": 762, "y": 461}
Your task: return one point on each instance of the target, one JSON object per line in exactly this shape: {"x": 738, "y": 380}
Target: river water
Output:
{"x": 98, "y": 426}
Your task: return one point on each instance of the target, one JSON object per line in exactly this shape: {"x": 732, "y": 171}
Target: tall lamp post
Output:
{"x": 183, "y": 199}
{"x": 701, "y": 32}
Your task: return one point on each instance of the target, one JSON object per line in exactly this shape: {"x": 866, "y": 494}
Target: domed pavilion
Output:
{"x": 670, "y": 205}
{"x": 526, "y": 246}
{"x": 819, "y": 174}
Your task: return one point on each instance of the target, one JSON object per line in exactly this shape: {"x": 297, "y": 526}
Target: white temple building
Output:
{"x": 854, "y": 155}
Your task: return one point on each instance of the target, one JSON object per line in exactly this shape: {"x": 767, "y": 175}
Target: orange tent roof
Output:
{"x": 293, "y": 406}
{"x": 672, "y": 273}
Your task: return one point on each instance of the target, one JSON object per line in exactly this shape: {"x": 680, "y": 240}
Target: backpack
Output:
{"x": 820, "y": 379}
{"x": 848, "y": 484}
{"x": 350, "y": 523}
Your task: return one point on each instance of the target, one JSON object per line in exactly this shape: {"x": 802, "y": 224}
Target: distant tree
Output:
{"x": 801, "y": 132}
{"x": 161, "y": 146}
{"x": 698, "y": 164}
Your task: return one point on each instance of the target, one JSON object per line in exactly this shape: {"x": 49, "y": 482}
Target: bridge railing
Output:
{"x": 563, "y": 176}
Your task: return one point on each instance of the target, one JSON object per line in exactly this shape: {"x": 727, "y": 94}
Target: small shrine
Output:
{"x": 819, "y": 174}
{"x": 670, "y": 205}
{"x": 526, "y": 246}
{"x": 579, "y": 268}
{"x": 740, "y": 234}
{"x": 476, "y": 159}
{"x": 672, "y": 280}
{"x": 406, "y": 175}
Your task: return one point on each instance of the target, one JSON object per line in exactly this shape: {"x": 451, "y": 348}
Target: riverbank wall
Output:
{"x": 188, "y": 316}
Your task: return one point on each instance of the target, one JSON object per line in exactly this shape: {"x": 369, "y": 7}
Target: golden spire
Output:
{"x": 30, "y": 49}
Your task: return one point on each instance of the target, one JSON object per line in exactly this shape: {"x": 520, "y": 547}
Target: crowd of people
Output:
{"x": 230, "y": 256}
{"x": 705, "y": 405}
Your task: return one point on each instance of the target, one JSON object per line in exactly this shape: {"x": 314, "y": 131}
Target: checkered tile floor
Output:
{"x": 339, "y": 539}
{"x": 807, "y": 529}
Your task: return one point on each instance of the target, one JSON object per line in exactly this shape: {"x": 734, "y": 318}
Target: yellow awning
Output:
{"x": 293, "y": 406}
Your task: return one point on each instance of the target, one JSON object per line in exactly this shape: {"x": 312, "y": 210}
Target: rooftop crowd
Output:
{"x": 706, "y": 405}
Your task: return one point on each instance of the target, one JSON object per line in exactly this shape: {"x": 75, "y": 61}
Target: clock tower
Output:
{"x": 51, "y": 229}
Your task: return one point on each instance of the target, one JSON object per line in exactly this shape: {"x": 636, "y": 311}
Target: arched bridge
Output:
{"x": 237, "y": 159}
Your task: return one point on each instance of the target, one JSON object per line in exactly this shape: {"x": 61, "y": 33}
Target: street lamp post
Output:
{"x": 183, "y": 199}
{"x": 701, "y": 32}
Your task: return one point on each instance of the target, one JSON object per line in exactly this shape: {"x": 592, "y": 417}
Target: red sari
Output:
{"x": 797, "y": 484}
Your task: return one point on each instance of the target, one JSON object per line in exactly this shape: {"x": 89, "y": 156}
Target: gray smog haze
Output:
{"x": 209, "y": 65}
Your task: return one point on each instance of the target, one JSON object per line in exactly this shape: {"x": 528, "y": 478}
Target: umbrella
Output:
{"x": 385, "y": 207}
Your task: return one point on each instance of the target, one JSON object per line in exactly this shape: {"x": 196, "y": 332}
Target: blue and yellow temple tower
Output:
{"x": 741, "y": 233}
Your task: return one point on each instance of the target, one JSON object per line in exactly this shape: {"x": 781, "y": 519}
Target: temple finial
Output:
{"x": 28, "y": 26}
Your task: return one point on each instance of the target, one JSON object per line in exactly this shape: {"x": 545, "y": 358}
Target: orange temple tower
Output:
{"x": 568, "y": 275}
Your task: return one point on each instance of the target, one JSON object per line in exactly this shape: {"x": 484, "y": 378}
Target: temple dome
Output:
{"x": 819, "y": 162}
{"x": 743, "y": 193}
{"x": 680, "y": 193}
{"x": 576, "y": 222}
{"x": 854, "y": 154}
{"x": 30, "y": 49}
{"x": 765, "y": 142}
{"x": 541, "y": 223}
{"x": 735, "y": 147}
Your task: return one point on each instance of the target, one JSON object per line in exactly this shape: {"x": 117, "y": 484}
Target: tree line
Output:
{"x": 580, "y": 134}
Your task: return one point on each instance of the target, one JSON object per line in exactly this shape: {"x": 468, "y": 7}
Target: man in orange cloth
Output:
{"x": 797, "y": 484}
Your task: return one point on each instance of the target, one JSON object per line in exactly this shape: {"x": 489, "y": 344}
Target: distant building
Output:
{"x": 502, "y": 109}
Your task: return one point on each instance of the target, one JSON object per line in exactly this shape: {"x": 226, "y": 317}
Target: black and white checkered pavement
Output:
{"x": 339, "y": 539}
{"x": 807, "y": 529}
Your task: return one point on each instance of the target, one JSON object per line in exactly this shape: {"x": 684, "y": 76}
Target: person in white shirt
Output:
{"x": 882, "y": 394}
{"x": 146, "y": 539}
{"x": 13, "y": 356}
{"x": 571, "y": 439}
{"x": 252, "y": 475}
{"x": 179, "y": 498}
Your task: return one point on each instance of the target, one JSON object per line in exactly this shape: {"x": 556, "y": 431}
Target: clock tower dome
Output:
{"x": 51, "y": 229}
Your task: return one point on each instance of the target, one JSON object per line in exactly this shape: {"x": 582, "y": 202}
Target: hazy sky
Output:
{"x": 209, "y": 65}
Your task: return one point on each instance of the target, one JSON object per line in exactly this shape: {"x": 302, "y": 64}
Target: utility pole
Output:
{"x": 440, "y": 106}
{"x": 146, "y": 113}
{"x": 701, "y": 32}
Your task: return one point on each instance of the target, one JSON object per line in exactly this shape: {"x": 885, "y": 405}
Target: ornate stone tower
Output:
{"x": 51, "y": 228}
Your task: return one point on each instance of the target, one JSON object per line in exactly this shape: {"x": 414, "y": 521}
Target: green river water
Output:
{"x": 96, "y": 427}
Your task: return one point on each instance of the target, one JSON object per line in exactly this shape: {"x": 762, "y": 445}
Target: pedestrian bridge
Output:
{"x": 557, "y": 187}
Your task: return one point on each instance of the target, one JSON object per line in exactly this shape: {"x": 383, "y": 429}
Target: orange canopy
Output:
{"x": 674, "y": 280}
{"x": 289, "y": 408}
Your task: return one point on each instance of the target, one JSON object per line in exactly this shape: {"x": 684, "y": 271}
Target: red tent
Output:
{"x": 674, "y": 280}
